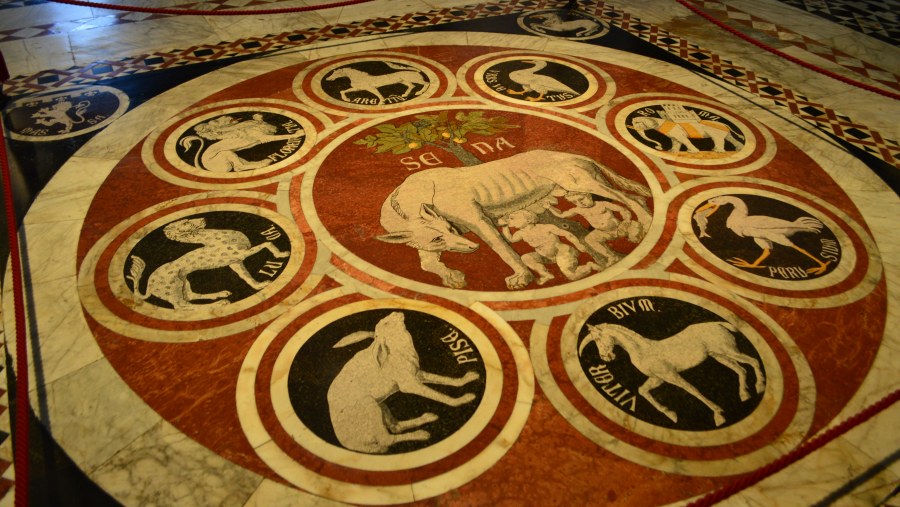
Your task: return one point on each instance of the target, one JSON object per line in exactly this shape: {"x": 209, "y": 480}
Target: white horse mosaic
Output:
{"x": 663, "y": 360}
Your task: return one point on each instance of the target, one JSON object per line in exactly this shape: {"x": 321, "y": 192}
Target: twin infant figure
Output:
{"x": 547, "y": 243}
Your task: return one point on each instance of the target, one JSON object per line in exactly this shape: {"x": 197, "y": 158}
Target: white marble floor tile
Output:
{"x": 132, "y": 39}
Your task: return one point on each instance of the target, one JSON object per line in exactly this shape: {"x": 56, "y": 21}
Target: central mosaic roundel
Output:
{"x": 487, "y": 200}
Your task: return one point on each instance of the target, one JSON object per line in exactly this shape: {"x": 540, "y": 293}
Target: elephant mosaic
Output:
{"x": 681, "y": 133}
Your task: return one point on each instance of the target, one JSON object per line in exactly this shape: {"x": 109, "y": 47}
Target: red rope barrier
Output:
{"x": 788, "y": 57}
{"x": 20, "y": 452}
{"x": 800, "y": 452}
{"x": 192, "y": 12}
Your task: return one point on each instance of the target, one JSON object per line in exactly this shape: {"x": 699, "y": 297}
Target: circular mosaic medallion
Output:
{"x": 375, "y": 83}
{"x": 778, "y": 244}
{"x": 694, "y": 135}
{"x": 454, "y": 200}
{"x": 537, "y": 79}
{"x": 713, "y": 374}
{"x": 61, "y": 115}
{"x": 234, "y": 143}
{"x": 192, "y": 265}
{"x": 373, "y": 394}
{"x": 676, "y": 377}
{"x": 563, "y": 24}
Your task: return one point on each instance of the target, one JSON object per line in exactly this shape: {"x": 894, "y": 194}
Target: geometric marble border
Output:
{"x": 761, "y": 87}
{"x": 7, "y": 469}
{"x": 867, "y": 17}
{"x": 757, "y": 27}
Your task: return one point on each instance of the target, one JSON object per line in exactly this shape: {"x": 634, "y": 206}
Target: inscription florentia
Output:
{"x": 240, "y": 141}
{"x": 671, "y": 363}
{"x": 386, "y": 381}
{"x": 212, "y": 258}
{"x": 766, "y": 237}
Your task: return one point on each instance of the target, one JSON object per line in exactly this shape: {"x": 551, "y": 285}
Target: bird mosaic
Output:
{"x": 532, "y": 82}
{"x": 766, "y": 231}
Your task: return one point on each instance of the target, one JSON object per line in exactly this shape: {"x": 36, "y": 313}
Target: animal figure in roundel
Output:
{"x": 221, "y": 248}
{"x": 231, "y": 136}
{"x": 361, "y": 81}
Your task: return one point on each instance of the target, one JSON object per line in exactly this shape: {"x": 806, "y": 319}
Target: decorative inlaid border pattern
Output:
{"x": 749, "y": 23}
{"x": 817, "y": 115}
{"x": 7, "y": 470}
{"x": 874, "y": 19}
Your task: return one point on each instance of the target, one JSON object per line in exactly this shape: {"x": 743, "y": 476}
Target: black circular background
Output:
{"x": 725, "y": 244}
{"x": 318, "y": 362}
{"x": 566, "y": 75}
{"x": 714, "y": 380}
{"x": 253, "y": 154}
{"x": 156, "y": 249}
{"x": 101, "y": 105}
{"x": 702, "y": 144}
{"x": 374, "y": 68}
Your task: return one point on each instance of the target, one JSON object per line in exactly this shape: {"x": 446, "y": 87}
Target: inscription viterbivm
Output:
{"x": 386, "y": 381}
{"x": 240, "y": 141}
{"x": 536, "y": 80}
{"x": 766, "y": 237}
{"x": 671, "y": 363}
{"x": 375, "y": 82}
{"x": 216, "y": 257}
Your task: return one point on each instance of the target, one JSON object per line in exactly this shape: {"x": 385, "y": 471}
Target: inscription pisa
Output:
{"x": 386, "y": 381}
{"x": 671, "y": 363}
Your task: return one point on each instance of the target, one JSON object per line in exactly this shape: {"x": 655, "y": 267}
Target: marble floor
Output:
{"x": 438, "y": 253}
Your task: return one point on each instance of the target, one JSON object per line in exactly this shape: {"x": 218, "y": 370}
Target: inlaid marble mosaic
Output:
{"x": 7, "y": 470}
{"x": 536, "y": 226}
{"x": 267, "y": 170}
{"x": 875, "y": 19}
{"x": 760, "y": 29}
{"x": 817, "y": 114}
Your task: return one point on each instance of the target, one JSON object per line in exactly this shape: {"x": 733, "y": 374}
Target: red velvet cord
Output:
{"x": 20, "y": 451}
{"x": 192, "y": 12}
{"x": 788, "y": 57}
